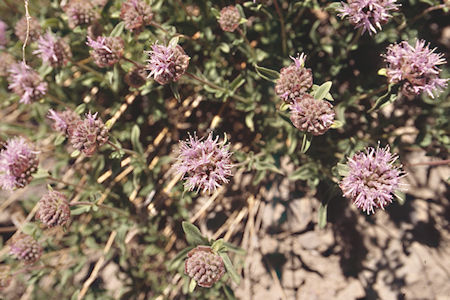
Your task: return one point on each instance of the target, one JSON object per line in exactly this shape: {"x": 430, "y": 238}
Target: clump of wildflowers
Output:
{"x": 80, "y": 12}
{"x": 294, "y": 80}
{"x": 106, "y": 51}
{"x": 229, "y": 18}
{"x": 136, "y": 14}
{"x": 136, "y": 77}
{"x": 415, "y": 68}
{"x": 26, "y": 82}
{"x": 18, "y": 162}
{"x": 368, "y": 14}
{"x": 312, "y": 115}
{"x": 65, "y": 121}
{"x": 26, "y": 249}
{"x": 204, "y": 266}
{"x": 6, "y": 61}
{"x": 205, "y": 164}
{"x": 372, "y": 179}
{"x": 53, "y": 50}
{"x": 21, "y": 29}
{"x": 53, "y": 209}
{"x": 89, "y": 134}
{"x": 3, "y": 34}
{"x": 167, "y": 63}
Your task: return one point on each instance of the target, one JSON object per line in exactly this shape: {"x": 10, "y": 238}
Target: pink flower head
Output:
{"x": 26, "y": 83}
{"x": 18, "y": 162}
{"x": 372, "y": 178}
{"x": 368, "y": 14}
{"x": 64, "y": 122}
{"x": 25, "y": 248}
{"x": 53, "y": 50}
{"x": 136, "y": 14}
{"x": 3, "y": 35}
{"x": 167, "y": 63}
{"x": 106, "y": 51}
{"x": 229, "y": 18}
{"x": 89, "y": 134}
{"x": 204, "y": 163}
{"x": 415, "y": 67}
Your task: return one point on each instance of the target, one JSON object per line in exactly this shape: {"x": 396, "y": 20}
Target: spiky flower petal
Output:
{"x": 89, "y": 134}
{"x": 18, "y": 162}
{"x": 311, "y": 115}
{"x": 65, "y": 121}
{"x": 106, "y": 51}
{"x": 294, "y": 80}
{"x": 136, "y": 14}
{"x": 26, "y": 249}
{"x": 53, "y": 209}
{"x": 204, "y": 266}
{"x": 204, "y": 163}
{"x": 368, "y": 14}
{"x": 3, "y": 34}
{"x": 26, "y": 82}
{"x": 167, "y": 63}
{"x": 80, "y": 12}
{"x": 21, "y": 29}
{"x": 415, "y": 67}
{"x": 53, "y": 50}
{"x": 229, "y": 18}
{"x": 6, "y": 61}
{"x": 372, "y": 179}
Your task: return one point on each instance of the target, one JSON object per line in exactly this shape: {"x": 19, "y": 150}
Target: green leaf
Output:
{"x": 230, "y": 268}
{"x": 29, "y": 228}
{"x": 75, "y": 153}
{"x": 229, "y": 292}
{"x": 192, "y": 285}
{"x": 174, "y": 88}
{"x": 249, "y": 121}
{"x": 117, "y": 31}
{"x": 135, "y": 133}
{"x": 382, "y": 72}
{"x": 237, "y": 82}
{"x": 342, "y": 169}
{"x": 302, "y": 173}
{"x": 323, "y": 90}
{"x": 266, "y": 73}
{"x": 80, "y": 109}
{"x": 215, "y": 12}
{"x": 322, "y": 215}
{"x": 193, "y": 234}
{"x": 337, "y": 124}
{"x": 173, "y": 42}
{"x": 233, "y": 248}
{"x": 401, "y": 196}
{"x": 59, "y": 140}
{"x": 389, "y": 97}
{"x": 178, "y": 259}
{"x": 217, "y": 245}
{"x": 306, "y": 143}
{"x": 40, "y": 174}
{"x": 80, "y": 210}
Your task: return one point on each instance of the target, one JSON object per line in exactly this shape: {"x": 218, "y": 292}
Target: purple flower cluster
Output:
{"x": 65, "y": 121}
{"x": 26, "y": 83}
{"x": 18, "y": 162}
{"x": 205, "y": 164}
{"x": 106, "y": 51}
{"x": 167, "y": 63}
{"x": 53, "y": 50}
{"x": 368, "y": 14}
{"x": 89, "y": 134}
{"x": 415, "y": 67}
{"x": 80, "y": 12}
{"x": 372, "y": 179}
{"x": 294, "y": 80}
{"x": 136, "y": 14}
{"x": 204, "y": 266}
{"x": 26, "y": 249}
{"x": 229, "y": 18}
{"x": 53, "y": 209}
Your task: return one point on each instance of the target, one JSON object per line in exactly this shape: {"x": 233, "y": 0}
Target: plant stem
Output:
{"x": 86, "y": 68}
{"x": 215, "y": 86}
{"x": 425, "y": 12}
{"x": 374, "y": 92}
{"x": 283, "y": 28}
{"x": 113, "y": 209}
{"x": 136, "y": 64}
{"x": 61, "y": 181}
{"x": 28, "y": 17}
{"x": 252, "y": 51}
{"x": 128, "y": 151}
{"x": 56, "y": 100}
{"x": 432, "y": 163}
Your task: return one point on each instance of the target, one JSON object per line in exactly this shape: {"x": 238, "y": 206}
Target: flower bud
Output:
{"x": 26, "y": 248}
{"x": 27, "y": 83}
{"x": 229, "y": 18}
{"x": 21, "y": 29}
{"x": 311, "y": 115}
{"x": 294, "y": 80}
{"x": 53, "y": 209}
{"x": 136, "y": 77}
{"x": 80, "y": 12}
{"x": 204, "y": 266}
{"x": 167, "y": 63}
{"x": 53, "y": 50}
{"x": 89, "y": 135}
{"x": 136, "y": 14}
{"x": 106, "y": 51}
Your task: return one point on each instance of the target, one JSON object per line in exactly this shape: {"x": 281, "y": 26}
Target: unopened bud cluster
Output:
{"x": 204, "y": 266}
{"x": 53, "y": 209}
{"x": 136, "y": 14}
{"x": 229, "y": 18}
{"x": 106, "y": 51}
{"x": 80, "y": 12}
{"x": 89, "y": 135}
{"x": 26, "y": 249}
{"x": 294, "y": 80}
{"x": 35, "y": 29}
